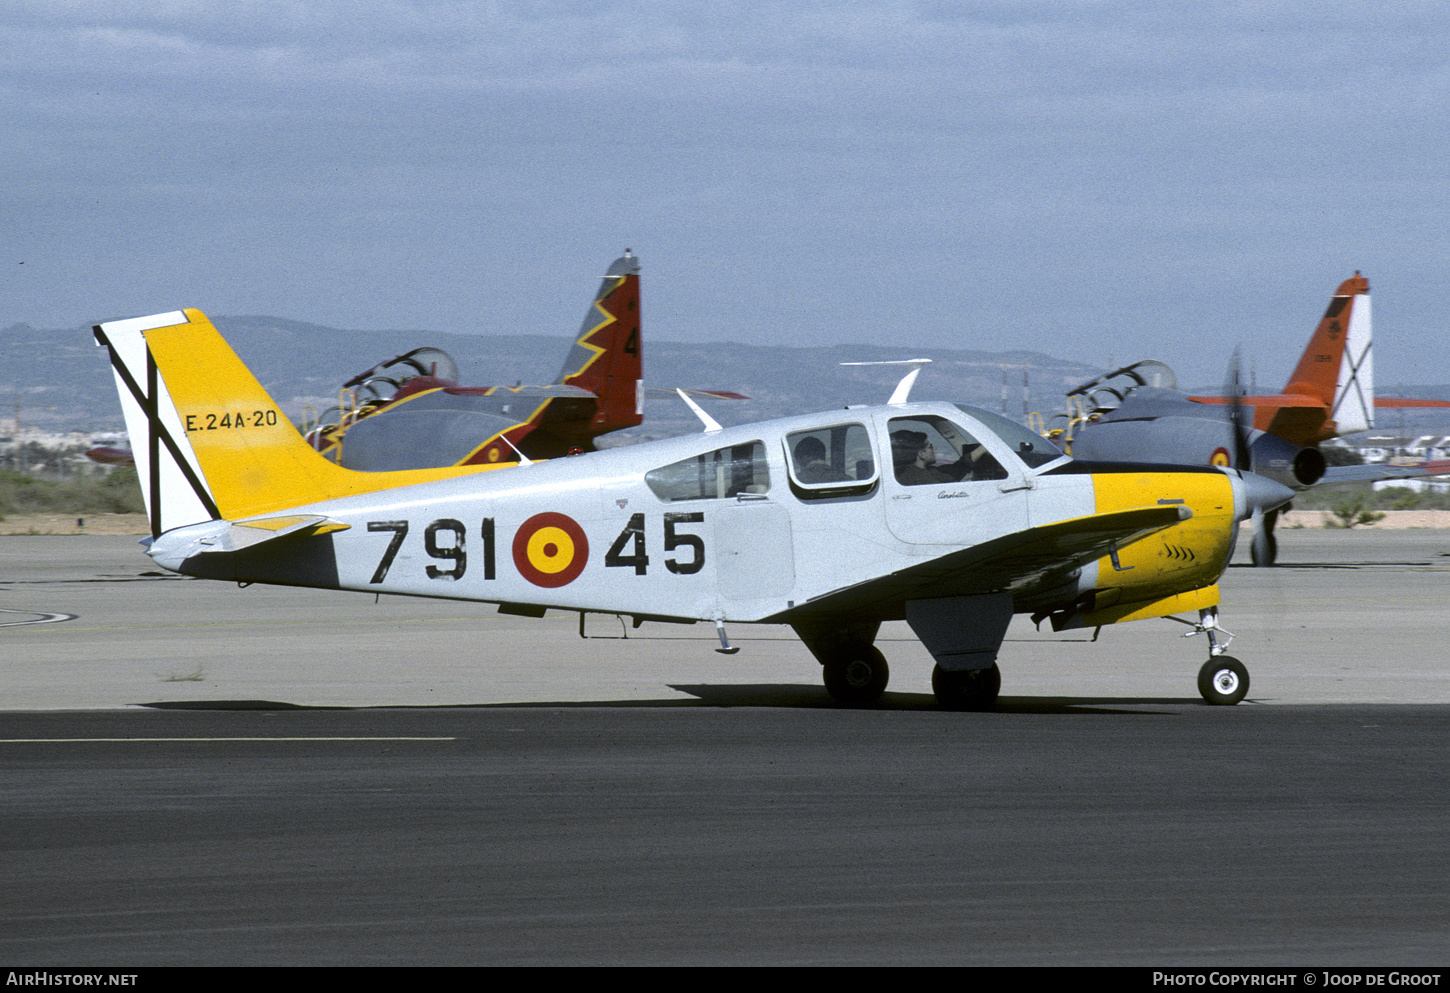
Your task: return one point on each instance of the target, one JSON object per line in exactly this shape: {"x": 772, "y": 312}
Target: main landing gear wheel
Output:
{"x": 1223, "y": 680}
{"x": 970, "y": 689}
{"x": 1264, "y": 549}
{"x": 857, "y": 677}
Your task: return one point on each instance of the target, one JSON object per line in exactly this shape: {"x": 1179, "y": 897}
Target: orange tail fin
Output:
{"x": 1336, "y": 369}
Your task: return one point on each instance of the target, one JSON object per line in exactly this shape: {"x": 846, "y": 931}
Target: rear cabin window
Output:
{"x": 725, "y": 472}
{"x": 831, "y": 461}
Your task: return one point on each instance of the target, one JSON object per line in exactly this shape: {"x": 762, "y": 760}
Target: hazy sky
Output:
{"x": 1096, "y": 180}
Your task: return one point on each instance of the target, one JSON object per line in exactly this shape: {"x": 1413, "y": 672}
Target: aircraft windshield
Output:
{"x": 1027, "y": 445}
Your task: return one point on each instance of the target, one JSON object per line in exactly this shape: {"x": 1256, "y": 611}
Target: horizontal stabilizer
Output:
{"x": 176, "y": 546}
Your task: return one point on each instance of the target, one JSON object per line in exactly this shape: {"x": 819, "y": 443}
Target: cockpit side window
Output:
{"x": 932, "y": 450}
{"x": 725, "y": 472}
{"x": 831, "y": 461}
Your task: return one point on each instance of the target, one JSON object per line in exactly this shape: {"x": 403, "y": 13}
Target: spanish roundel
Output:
{"x": 1220, "y": 457}
{"x": 550, "y": 550}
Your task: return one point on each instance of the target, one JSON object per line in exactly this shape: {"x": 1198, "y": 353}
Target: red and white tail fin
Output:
{"x": 605, "y": 359}
{"x": 1337, "y": 367}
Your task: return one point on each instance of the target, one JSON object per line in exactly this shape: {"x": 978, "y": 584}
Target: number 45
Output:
{"x": 633, "y": 536}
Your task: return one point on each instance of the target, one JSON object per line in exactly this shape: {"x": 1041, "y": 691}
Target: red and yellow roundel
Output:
{"x": 550, "y": 550}
{"x": 1220, "y": 457}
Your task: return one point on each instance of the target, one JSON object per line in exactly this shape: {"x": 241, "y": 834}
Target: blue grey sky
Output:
{"x": 1102, "y": 181}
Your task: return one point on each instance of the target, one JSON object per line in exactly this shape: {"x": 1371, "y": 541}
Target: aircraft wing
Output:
{"x": 1374, "y": 473}
{"x": 660, "y": 393}
{"x": 111, "y": 456}
{"x": 554, "y": 391}
{"x": 1281, "y": 400}
{"x": 1012, "y": 562}
{"x": 1395, "y": 402}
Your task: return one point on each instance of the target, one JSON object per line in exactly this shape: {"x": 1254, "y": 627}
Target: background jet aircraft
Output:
{"x": 410, "y": 412}
{"x": 729, "y": 525}
{"x": 413, "y": 414}
{"x": 1137, "y": 414}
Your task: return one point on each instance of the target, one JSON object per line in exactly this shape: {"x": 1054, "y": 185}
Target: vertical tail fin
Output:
{"x": 1353, "y": 408}
{"x": 209, "y": 442}
{"x": 1336, "y": 366}
{"x": 605, "y": 359}
{"x": 172, "y": 482}
{"x": 1337, "y": 369}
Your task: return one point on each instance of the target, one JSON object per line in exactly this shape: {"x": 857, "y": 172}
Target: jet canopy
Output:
{"x": 1108, "y": 390}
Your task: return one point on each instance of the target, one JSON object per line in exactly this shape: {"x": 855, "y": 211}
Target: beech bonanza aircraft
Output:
{"x": 1137, "y": 414}
{"x": 949, "y": 517}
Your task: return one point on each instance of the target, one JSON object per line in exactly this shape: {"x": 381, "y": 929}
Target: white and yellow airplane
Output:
{"x": 949, "y": 517}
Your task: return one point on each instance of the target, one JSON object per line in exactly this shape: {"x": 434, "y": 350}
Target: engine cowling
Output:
{"x": 1285, "y": 462}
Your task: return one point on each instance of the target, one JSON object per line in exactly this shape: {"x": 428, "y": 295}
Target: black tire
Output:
{"x": 1265, "y": 556}
{"x": 971, "y": 689}
{"x": 857, "y": 677}
{"x": 1264, "y": 549}
{"x": 1223, "y": 681}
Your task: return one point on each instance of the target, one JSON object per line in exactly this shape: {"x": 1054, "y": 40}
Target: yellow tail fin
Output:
{"x": 209, "y": 441}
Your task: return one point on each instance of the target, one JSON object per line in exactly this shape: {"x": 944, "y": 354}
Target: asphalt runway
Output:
{"x": 1152, "y": 835}
{"x": 196, "y": 774}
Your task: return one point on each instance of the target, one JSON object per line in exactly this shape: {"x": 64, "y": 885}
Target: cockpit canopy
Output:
{"x": 1107, "y": 391}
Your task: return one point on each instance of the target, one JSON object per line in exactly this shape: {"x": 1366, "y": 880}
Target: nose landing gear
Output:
{"x": 1223, "y": 680}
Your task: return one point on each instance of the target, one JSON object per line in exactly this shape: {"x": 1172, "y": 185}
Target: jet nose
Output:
{"x": 1262, "y": 495}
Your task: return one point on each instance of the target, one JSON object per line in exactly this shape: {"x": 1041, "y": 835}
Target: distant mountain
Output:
{"x": 64, "y": 382}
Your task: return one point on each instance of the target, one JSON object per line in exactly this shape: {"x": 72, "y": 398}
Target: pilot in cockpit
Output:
{"x": 914, "y": 456}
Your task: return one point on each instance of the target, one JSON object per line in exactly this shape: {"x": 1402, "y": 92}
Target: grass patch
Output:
{"x": 114, "y": 492}
{"x": 1331, "y": 498}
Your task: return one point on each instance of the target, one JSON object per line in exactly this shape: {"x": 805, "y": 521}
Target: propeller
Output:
{"x": 1263, "y": 550}
{"x": 1239, "y": 416}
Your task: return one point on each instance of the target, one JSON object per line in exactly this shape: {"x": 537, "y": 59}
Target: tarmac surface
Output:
{"x": 196, "y": 774}
{"x": 1347, "y": 617}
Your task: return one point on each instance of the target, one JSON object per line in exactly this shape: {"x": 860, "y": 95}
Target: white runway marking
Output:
{"x": 37, "y": 617}
{"x": 57, "y": 741}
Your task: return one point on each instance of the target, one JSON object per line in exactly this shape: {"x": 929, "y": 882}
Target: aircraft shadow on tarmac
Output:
{"x": 1286, "y": 566}
{"x": 798, "y": 696}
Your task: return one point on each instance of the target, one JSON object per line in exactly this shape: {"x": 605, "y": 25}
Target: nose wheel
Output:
{"x": 1223, "y": 680}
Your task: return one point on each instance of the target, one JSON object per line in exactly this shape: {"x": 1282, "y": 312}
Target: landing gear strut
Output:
{"x": 967, "y": 689}
{"x": 1223, "y": 680}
